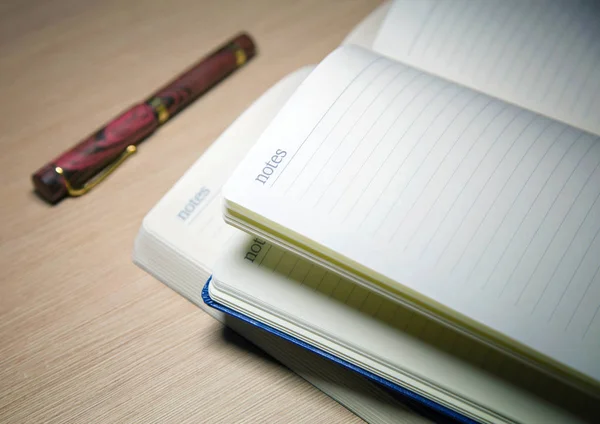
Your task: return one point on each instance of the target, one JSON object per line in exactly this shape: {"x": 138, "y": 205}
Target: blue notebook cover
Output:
{"x": 445, "y": 414}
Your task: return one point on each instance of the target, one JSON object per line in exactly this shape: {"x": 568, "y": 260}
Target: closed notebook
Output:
{"x": 460, "y": 180}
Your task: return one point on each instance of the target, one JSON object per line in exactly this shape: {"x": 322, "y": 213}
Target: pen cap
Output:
{"x": 49, "y": 184}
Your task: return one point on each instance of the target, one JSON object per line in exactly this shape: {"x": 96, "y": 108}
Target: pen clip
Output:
{"x": 130, "y": 150}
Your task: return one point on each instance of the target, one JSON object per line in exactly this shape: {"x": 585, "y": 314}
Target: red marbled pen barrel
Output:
{"x": 77, "y": 170}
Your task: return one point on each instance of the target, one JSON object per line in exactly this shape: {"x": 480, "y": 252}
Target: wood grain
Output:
{"x": 85, "y": 336}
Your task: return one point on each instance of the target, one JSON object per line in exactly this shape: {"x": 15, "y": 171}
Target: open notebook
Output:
{"x": 473, "y": 198}
{"x": 183, "y": 235}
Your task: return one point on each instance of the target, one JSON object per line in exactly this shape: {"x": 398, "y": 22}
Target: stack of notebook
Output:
{"x": 422, "y": 209}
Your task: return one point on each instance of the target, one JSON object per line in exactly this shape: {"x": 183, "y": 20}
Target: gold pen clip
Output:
{"x": 130, "y": 150}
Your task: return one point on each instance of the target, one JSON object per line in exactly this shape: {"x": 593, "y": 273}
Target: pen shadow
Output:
{"x": 36, "y": 196}
{"x": 322, "y": 372}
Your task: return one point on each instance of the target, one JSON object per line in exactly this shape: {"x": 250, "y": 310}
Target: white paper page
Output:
{"x": 373, "y": 331}
{"x": 193, "y": 228}
{"x": 366, "y": 31}
{"x": 189, "y": 217}
{"x": 542, "y": 55}
{"x": 480, "y": 206}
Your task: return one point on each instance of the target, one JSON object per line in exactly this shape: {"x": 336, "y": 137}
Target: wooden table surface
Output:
{"x": 86, "y": 336}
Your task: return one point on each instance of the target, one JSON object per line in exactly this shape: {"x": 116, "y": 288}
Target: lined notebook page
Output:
{"x": 401, "y": 342}
{"x": 190, "y": 215}
{"x": 543, "y": 55}
{"x": 486, "y": 208}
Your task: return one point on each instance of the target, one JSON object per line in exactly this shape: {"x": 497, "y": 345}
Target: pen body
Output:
{"x": 90, "y": 156}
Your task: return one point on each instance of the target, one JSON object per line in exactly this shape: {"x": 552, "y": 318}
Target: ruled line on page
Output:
{"x": 539, "y": 55}
{"x": 449, "y": 180}
{"x": 552, "y": 48}
{"x": 513, "y": 31}
{"x": 499, "y": 20}
{"x": 361, "y": 193}
{"x": 444, "y": 17}
{"x": 386, "y": 312}
{"x": 342, "y": 116}
{"x": 420, "y": 32}
{"x": 402, "y": 70}
{"x": 318, "y": 284}
{"x": 343, "y": 191}
{"x": 465, "y": 185}
{"x": 435, "y": 144}
{"x": 417, "y": 228}
{"x": 516, "y": 197}
{"x": 491, "y": 207}
{"x": 575, "y": 271}
{"x": 583, "y": 296}
{"x": 557, "y": 229}
{"x": 558, "y": 70}
{"x": 587, "y": 329}
{"x": 377, "y": 59}
{"x": 274, "y": 269}
{"x": 593, "y": 93}
{"x": 328, "y": 284}
{"x": 368, "y": 186}
{"x": 565, "y": 251}
{"x": 477, "y": 139}
{"x": 519, "y": 56}
{"x": 417, "y": 76}
{"x": 484, "y": 23}
{"x": 450, "y": 51}
{"x": 390, "y": 155}
{"x": 524, "y": 216}
{"x": 265, "y": 255}
{"x": 293, "y": 267}
{"x": 551, "y": 279}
